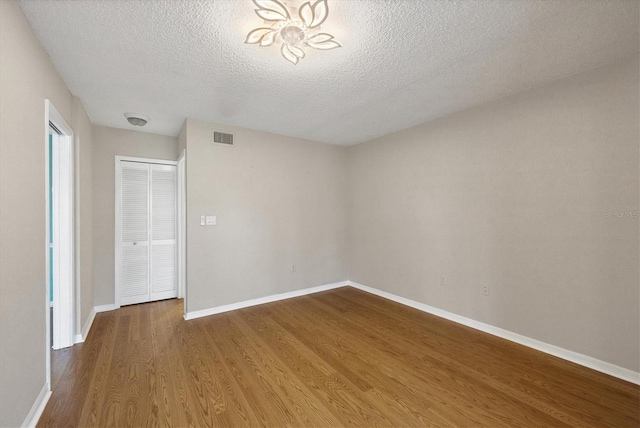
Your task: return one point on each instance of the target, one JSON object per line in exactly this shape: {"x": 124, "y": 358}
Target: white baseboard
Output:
{"x": 38, "y": 407}
{"x": 262, "y": 300}
{"x": 574, "y": 357}
{"x": 79, "y": 338}
{"x": 105, "y": 308}
{"x": 89, "y": 323}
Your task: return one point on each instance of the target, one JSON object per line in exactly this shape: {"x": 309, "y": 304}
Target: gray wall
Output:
{"x": 27, "y": 77}
{"x": 279, "y": 202}
{"x": 182, "y": 138}
{"x": 513, "y": 194}
{"x": 109, "y": 143}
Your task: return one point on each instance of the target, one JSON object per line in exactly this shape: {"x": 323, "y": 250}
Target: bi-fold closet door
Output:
{"x": 146, "y": 250}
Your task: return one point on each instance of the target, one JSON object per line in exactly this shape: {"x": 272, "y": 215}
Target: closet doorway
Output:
{"x": 146, "y": 250}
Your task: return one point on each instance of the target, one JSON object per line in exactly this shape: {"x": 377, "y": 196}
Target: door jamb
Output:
{"x": 182, "y": 228}
{"x": 64, "y": 293}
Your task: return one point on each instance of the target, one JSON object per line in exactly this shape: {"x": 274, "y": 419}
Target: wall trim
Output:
{"x": 565, "y": 354}
{"x": 38, "y": 407}
{"x": 88, "y": 323}
{"x": 105, "y": 308}
{"x": 262, "y": 300}
{"x": 79, "y": 338}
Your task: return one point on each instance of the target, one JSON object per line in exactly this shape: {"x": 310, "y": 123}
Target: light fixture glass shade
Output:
{"x": 293, "y": 32}
{"x": 136, "y": 119}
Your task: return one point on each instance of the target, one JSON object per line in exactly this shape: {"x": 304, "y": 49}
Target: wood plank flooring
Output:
{"x": 337, "y": 358}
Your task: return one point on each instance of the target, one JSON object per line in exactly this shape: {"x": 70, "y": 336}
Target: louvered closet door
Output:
{"x": 147, "y": 264}
{"x": 164, "y": 284}
{"x": 134, "y": 244}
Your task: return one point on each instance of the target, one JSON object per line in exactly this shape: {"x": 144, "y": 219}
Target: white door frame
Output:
{"x": 182, "y": 228}
{"x": 64, "y": 236}
{"x": 118, "y": 213}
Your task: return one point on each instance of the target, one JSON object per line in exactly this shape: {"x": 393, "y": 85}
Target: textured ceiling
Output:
{"x": 403, "y": 62}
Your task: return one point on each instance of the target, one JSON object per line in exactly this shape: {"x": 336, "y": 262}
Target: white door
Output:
{"x": 146, "y": 232}
{"x": 61, "y": 236}
{"x": 164, "y": 284}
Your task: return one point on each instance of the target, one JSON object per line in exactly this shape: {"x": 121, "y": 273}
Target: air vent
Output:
{"x": 222, "y": 138}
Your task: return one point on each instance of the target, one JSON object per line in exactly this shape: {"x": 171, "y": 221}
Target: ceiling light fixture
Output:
{"x": 292, "y": 28}
{"x": 136, "y": 119}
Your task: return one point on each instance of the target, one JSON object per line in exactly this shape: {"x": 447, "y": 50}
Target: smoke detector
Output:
{"x": 136, "y": 119}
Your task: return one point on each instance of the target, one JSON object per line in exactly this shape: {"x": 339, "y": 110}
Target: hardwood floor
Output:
{"x": 338, "y": 358}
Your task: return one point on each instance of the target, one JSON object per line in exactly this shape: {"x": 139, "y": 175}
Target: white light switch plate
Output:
{"x": 201, "y": 220}
{"x": 211, "y": 220}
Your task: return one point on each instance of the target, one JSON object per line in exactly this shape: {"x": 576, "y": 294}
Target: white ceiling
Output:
{"x": 402, "y": 62}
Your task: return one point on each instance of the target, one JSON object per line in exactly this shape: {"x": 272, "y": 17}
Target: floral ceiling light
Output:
{"x": 294, "y": 28}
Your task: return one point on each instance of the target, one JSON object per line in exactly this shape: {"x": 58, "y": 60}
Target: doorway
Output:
{"x": 146, "y": 241}
{"x": 60, "y": 242}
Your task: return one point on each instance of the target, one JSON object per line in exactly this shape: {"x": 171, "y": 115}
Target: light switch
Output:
{"x": 211, "y": 220}
{"x": 201, "y": 220}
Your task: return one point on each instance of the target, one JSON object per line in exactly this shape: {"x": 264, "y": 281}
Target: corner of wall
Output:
{"x": 83, "y": 135}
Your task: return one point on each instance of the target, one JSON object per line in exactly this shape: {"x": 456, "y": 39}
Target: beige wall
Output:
{"x": 83, "y": 135}
{"x": 182, "y": 138}
{"x": 279, "y": 202}
{"x": 513, "y": 194}
{"x": 109, "y": 143}
{"x": 27, "y": 77}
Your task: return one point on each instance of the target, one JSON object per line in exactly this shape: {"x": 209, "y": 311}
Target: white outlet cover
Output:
{"x": 211, "y": 220}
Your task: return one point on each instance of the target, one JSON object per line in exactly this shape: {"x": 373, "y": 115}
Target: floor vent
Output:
{"x": 222, "y": 138}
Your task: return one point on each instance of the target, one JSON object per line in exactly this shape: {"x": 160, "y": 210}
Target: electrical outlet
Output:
{"x": 443, "y": 281}
{"x": 485, "y": 290}
{"x": 293, "y": 268}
